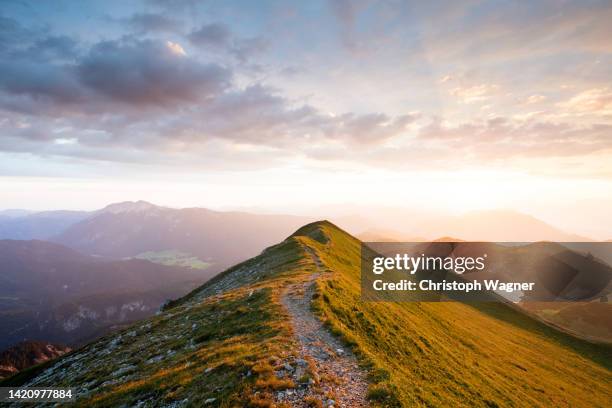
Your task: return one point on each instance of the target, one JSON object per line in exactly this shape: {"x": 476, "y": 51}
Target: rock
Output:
{"x": 209, "y": 401}
{"x": 301, "y": 362}
{"x": 208, "y": 370}
{"x": 155, "y": 359}
{"x": 331, "y": 402}
{"x": 288, "y": 367}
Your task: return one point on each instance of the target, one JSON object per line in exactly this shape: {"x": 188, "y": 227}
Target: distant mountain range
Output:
{"x": 489, "y": 225}
{"x": 132, "y": 228}
{"x": 20, "y": 224}
{"x": 53, "y": 293}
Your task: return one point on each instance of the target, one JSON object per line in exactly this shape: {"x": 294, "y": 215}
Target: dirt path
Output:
{"x": 326, "y": 371}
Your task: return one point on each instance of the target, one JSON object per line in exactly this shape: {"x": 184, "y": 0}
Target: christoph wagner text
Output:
{"x": 428, "y": 285}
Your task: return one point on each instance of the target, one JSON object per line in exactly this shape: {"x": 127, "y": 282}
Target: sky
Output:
{"x": 291, "y": 106}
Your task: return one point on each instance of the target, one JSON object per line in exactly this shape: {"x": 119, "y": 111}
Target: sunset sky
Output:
{"x": 293, "y": 106}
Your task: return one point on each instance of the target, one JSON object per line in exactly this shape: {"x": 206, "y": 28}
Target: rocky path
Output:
{"x": 326, "y": 373}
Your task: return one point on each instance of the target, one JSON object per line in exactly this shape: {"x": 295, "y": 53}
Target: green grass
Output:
{"x": 172, "y": 257}
{"x": 453, "y": 354}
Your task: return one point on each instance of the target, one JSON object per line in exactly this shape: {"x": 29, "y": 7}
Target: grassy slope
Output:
{"x": 451, "y": 354}
{"x": 207, "y": 345}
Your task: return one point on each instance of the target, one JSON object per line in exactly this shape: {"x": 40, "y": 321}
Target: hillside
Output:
{"x": 53, "y": 293}
{"x": 26, "y": 354}
{"x": 249, "y": 338}
{"x": 132, "y": 229}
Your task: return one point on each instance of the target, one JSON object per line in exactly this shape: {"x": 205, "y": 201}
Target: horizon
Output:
{"x": 365, "y": 216}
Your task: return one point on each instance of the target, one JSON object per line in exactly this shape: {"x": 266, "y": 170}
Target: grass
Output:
{"x": 454, "y": 354}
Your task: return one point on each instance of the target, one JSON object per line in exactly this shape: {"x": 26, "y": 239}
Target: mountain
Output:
{"x": 27, "y": 354}
{"x": 288, "y": 328}
{"x": 21, "y": 224}
{"x": 496, "y": 225}
{"x": 51, "y": 292}
{"x": 131, "y": 229}
{"x": 14, "y": 213}
{"x": 398, "y": 224}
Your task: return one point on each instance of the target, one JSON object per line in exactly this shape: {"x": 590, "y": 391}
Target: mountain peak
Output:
{"x": 317, "y": 230}
{"x": 129, "y": 207}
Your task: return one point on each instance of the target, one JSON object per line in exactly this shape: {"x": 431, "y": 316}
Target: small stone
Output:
{"x": 209, "y": 401}
{"x": 287, "y": 367}
{"x": 208, "y": 370}
{"x": 331, "y": 402}
{"x": 301, "y": 362}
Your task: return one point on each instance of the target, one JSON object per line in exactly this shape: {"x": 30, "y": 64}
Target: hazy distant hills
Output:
{"x": 132, "y": 228}
{"x": 28, "y": 353}
{"x": 489, "y": 225}
{"x": 20, "y": 224}
{"x": 230, "y": 342}
{"x": 53, "y": 293}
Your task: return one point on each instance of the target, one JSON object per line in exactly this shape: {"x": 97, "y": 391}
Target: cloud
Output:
{"x": 176, "y": 48}
{"x": 501, "y": 138}
{"x": 152, "y": 22}
{"x": 533, "y": 99}
{"x": 597, "y": 102}
{"x": 148, "y": 73}
{"x": 474, "y": 93}
{"x": 217, "y": 36}
{"x": 211, "y": 35}
{"x": 139, "y": 73}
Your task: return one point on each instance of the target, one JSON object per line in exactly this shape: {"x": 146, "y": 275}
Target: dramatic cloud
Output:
{"x": 509, "y": 85}
{"x": 148, "y": 73}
